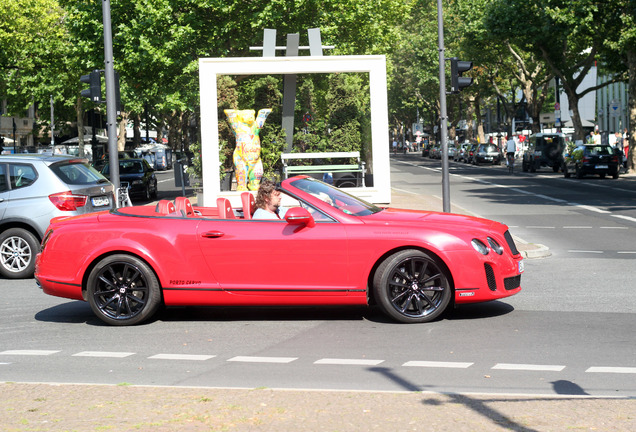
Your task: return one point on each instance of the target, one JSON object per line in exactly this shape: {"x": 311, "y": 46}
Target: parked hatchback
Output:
{"x": 488, "y": 154}
{"x": 33, "y": 190}
{"x": 587, "y": 159}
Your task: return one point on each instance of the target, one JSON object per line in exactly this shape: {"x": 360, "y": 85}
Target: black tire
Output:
{"x": 555, "y": 168}
{"x": 18, "y": 248}
{"x": 153, "y": 194}
{"x": 147, "y": 192}
{"x": 566, "y": 173}
{"x": 123, "y": 290}
{"x": 524, "y": 167}
{"x": 602, "y": 175}
{"x": 579, "y": 173}
{"x": 412, "y": 287}
{"x": 615, "y": 175}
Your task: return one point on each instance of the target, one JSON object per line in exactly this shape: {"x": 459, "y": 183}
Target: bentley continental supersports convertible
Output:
{"x": 331, "y": 248}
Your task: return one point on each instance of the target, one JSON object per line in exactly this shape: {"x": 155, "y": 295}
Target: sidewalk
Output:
{"x": 401, "y": 199}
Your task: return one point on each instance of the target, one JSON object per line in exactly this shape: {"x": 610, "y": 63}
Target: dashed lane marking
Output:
{"x": 29, "y": 352}
{"x": 359, "y": 362}
{"x": 248, "y": 359}
{"x": 192, "y": 357}
{"x": 104, "y": 354}
{"x": 438, "y": 364}
{"x": 605, "y": 369}
{"x": 528, "y": 367}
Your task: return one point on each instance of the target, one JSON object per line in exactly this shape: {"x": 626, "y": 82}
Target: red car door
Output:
{"x": 261, "y": 256}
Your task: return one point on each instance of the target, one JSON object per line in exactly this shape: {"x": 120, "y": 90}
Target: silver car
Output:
{"x": 36, "y": 188}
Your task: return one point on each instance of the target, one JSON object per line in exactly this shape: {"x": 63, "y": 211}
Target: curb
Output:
{"x": 532, "y": 250}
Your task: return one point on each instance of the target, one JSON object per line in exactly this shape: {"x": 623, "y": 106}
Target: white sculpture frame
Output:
{"x": 375, "y": 66}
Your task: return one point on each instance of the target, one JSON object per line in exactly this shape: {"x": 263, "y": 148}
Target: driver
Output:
{"x": 268, "y": 200}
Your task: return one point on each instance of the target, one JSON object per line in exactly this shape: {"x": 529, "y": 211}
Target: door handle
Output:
{"x": 212, "y": 234}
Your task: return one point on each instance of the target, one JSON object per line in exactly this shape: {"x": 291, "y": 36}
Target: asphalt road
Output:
{"x": 569, "y": 332}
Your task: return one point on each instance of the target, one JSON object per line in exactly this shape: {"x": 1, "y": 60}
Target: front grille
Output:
{"x": 511, "y": 243}
{"x": 490, "y": 277}
{"x": 512, "y": 282}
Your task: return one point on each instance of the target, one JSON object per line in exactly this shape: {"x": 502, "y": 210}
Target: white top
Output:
{"x": 511, "y": 146}
{"x": 264, "y": 214}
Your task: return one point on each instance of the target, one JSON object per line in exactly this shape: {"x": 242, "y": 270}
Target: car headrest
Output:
{"x": 183, "y": 204}
{"x": 164, "y": 207}
{"x": 249, "y": 204}
{"x": 225, "y": 208}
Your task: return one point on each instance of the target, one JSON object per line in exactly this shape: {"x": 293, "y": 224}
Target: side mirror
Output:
{"x": 299, "y": 216}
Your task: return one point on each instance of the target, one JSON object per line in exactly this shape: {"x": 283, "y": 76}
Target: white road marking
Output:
{"x": 438, "y": 364}
{"x": 577, "y": 227}
{"x": 590, "y": 208}
{"x": 194, "y": 357}
{"x": 585, "y": 251}
{"x": 540, "y": 227}
{"x": 629, "y": 218}
{"x": 528, "y": 367}
{"x": 361, "y": 362}
{"x": 249, "y": 359}
{"x": 29, "y": 352}
{"x": 626, "y": 252}
{"x": 612, "y": 227}
{"x": 606, "y": 369}
{"x": 106, "y": 354}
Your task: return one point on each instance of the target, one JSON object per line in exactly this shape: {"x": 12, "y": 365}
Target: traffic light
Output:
{"x": 94, "y": 91}
{"x": 458, "y": 82}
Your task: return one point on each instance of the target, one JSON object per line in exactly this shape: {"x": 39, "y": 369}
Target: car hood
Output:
{"x": 401, "y": 216}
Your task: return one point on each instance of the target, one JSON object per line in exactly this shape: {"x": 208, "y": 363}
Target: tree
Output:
{"x": 563, "y": 33}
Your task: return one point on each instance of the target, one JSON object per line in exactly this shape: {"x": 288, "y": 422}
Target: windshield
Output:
{"x": 339, "y": 199}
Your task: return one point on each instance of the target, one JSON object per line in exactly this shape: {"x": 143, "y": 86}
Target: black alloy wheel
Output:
{"x": 412, "y": 287}
{"x": 123, "y": 290}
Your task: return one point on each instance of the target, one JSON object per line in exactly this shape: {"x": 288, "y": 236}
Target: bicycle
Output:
{"x": 510, "y": 160}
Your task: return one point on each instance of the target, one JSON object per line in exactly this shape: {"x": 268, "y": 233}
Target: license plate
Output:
{"x": 100, "y": 201}
{"x": 601, "y": 166}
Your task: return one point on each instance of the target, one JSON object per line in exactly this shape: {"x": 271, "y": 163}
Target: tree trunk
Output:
{"x": 79, "y": 110}
{"x": 631, "y": 155}
{"x": 121, "y": 133}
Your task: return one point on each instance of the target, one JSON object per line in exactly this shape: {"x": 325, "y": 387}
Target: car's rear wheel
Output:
{"x": 412, "y": 287}
{"x": 123, "y": 290}
{"x": 18, "y": 248}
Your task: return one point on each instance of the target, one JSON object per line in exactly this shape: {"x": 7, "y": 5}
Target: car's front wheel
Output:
{"x": 123, "y": 290}
{"x": 412, "y": 287}
{"x": 18, "y": 248}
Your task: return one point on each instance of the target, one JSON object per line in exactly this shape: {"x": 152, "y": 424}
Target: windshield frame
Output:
{"x": 336, "y": 198}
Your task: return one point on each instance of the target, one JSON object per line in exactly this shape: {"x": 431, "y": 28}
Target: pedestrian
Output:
{"x": 394, "y": 146}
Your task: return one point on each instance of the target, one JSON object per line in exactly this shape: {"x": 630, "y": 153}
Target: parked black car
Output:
{"x": 594, "y": 159}
{"x": 544, "y": 150}
{"x": 470, "y": 154}
{"x": 138, "y": 176}
{"x": 487, "y": 153}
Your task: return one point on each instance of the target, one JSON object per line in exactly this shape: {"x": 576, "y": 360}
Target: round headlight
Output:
{"x": 495, "y": 246}
{"x": 479, "y": 246}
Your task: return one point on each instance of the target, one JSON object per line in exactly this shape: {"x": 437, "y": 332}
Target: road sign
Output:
{"x": 615, "y": 108}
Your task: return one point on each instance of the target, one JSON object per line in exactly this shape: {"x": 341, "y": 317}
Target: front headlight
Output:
{"x": 495, "y": 246}
{"x": 479, "y": 246}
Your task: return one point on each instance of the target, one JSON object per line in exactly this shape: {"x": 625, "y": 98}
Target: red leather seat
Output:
{"x": 249, "y": 205}
{"x": 225, "y": 208}
{"x": 164, "y": 207}
{"x": 183, "y": 204}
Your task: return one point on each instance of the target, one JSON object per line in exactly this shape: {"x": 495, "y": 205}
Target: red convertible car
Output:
{"x": 331, "y": 248}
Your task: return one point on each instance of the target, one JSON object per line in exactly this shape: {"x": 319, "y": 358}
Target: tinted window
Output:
{"x": 21, "y": 175}
{"x": 3, "y": 178}
{"x": 599, "y": 150}
{"x": 77, "y": 173}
